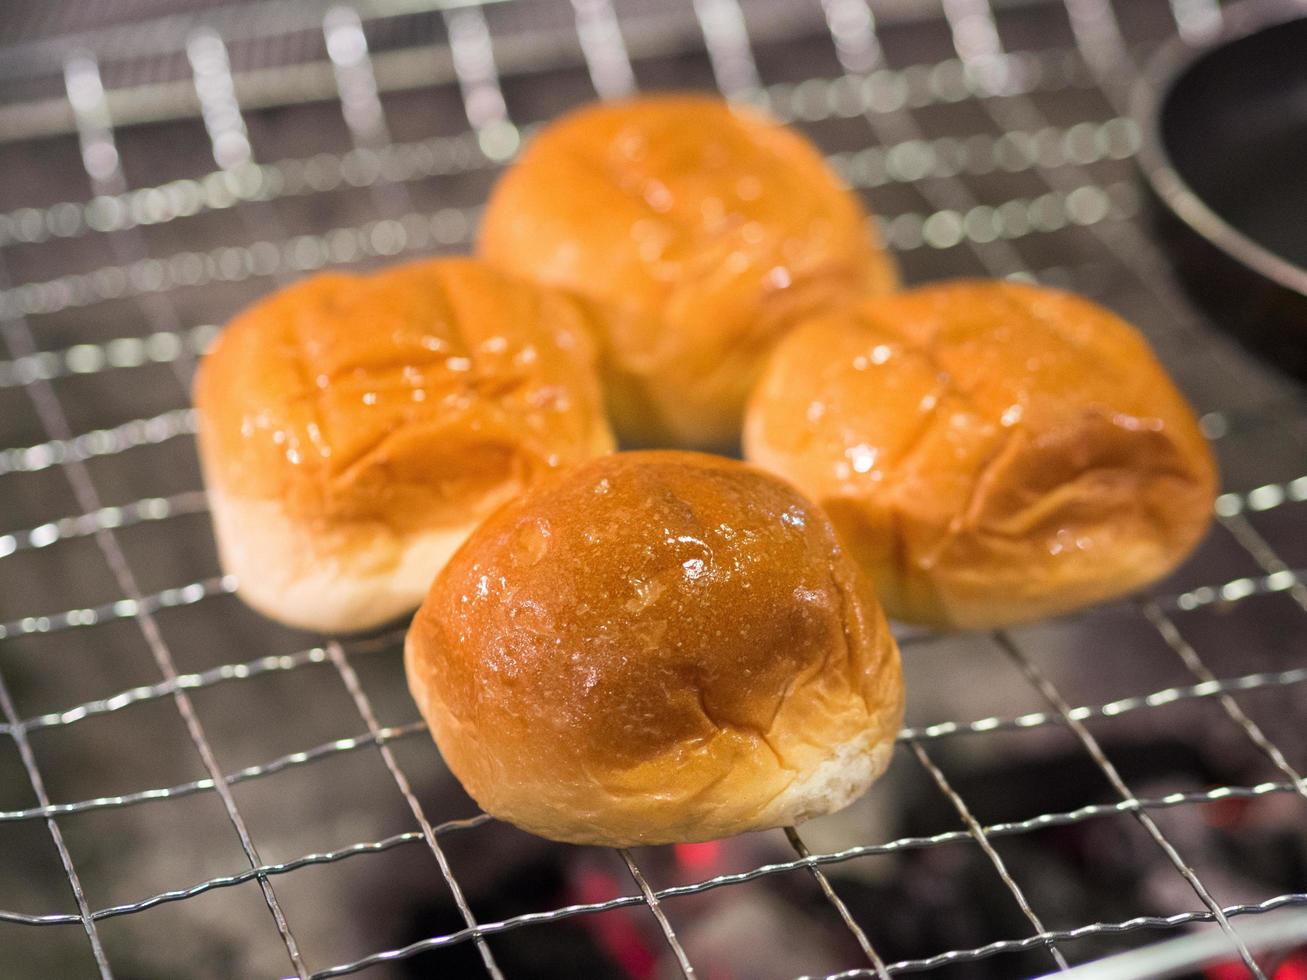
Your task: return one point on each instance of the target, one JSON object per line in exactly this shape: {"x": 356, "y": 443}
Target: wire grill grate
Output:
{"x": 995, "y": 154}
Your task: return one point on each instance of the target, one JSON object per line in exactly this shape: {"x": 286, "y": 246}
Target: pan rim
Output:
{"x": 1163, "y": 71}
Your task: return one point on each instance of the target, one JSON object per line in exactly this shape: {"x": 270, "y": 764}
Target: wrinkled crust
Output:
{"x": 352, "y": 429}
{"x": 1003, "y": 582}
{"x": 991, "y": 454}
{"x": 400, "y": 398}
{"x": 656, "y": 647}
{"x": 710, "y": 230}
{"x": 1088, "y": 534}
{"x": 327, "y": 579}
{"x": 731, "y": 786}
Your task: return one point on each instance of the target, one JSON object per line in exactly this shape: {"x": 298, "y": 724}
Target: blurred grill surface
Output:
{"x": 1000, "y": 823}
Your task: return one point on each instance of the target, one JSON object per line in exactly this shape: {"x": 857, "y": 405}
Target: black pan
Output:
{"x": 1225, "y": 153}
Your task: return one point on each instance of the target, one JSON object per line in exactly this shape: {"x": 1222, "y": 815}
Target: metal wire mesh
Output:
{"x": 991, "y": 140}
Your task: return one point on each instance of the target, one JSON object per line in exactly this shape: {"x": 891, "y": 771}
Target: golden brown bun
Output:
{"x": 990, "y": 452}
{"x": 705, "y": 232}
{"x": 656, "y": 647}
{"x": 354, "y": 429}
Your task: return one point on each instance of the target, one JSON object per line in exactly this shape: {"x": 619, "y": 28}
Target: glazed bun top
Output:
{"x": 656, "y": 646}
{"x": 704, "y": 229}
{"x": 402, "y": 396}
{"x": 992, "y": 452}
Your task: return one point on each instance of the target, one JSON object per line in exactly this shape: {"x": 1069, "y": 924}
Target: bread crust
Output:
{"x": 702, "y": 231}
{"x": 990, "y": 452}
{"x": 348, "y": 423}
{"x": 656, "y": 647}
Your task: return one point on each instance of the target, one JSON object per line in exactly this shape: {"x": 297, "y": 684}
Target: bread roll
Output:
{"x": 704, "y": 230}
{"x": 990, "y": 452}
{"x": 353, "y": 430}
{"x": 656, "y": 647}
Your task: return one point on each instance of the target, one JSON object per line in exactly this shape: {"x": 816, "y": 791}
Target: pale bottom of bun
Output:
{"x": 834, "y": 784}
{"x": 338, "y": 579}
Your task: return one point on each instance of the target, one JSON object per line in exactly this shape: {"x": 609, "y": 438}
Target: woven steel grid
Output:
{"x": 887, "y": 107}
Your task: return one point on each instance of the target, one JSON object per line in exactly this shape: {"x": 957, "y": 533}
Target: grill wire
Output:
{"x": 1009, "y": 156}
